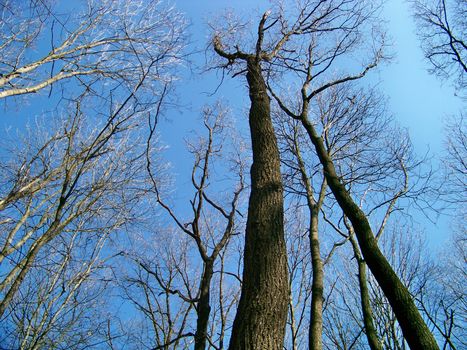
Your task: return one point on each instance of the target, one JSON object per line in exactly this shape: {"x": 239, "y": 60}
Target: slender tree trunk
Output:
{"x": 414, "y": 328}
{"x": 370, "y": 331}
{"x": 262, "y": 311}
{"x": 315, "y": 332}
{"x": 317, "y": 288}
{"x": 203, "y": 307}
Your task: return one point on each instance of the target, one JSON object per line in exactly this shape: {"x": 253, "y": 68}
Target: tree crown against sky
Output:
{"x": 443, "y": 38}
{"x": 118, "y": 93}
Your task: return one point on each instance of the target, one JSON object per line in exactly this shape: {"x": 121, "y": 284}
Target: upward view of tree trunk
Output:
{"x": 415, "y": 330}
{"x": 367, "y": 312}
{"x": 262, "y": 310}
{"x": 317, "y": 19}
{"x": 315, "y": 332}
{"x": 113, "y": 236}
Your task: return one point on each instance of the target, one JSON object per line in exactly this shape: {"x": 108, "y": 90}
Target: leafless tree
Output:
{"x": 262, "y": 311}
{"x": 101, "y": 45}
{"x": 300, "y": 180}
{"x": 195, "y": 281}
{"x": 299, "y": 264}
{"x": 374, "y": 167}
{"x": 280, "y": 45}
{"x": 159, "y": 281}
{"x": 400, "y": 187}
{"x": 442, "y": 296}
{"x": 84, "y": 175}
{"x": 456, "y": 153}
{"x": 81, "y": 181}
{"x": 442, "y": 29}
{"x": 344, "y": 21}
{"x": 60, "y": 302}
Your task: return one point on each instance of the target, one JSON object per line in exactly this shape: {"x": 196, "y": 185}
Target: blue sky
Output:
{"x": 418, "y": 100}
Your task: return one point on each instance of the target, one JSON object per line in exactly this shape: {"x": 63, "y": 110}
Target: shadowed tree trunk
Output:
{"x": 315, "y": 331}
{"x": 286, "y": 48}
{"x": 203, "y": 306}
{"x": 263, "y": 257}
{"x": 317, "y": 288}
{"x": 262, "y": 311}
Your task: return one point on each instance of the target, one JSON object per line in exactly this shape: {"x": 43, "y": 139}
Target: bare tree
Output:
{"x": 73, "y": 180}
{"x": 442, "y": 298}
{"x": 456, "y": 165}
{"x": 195, "y": 281}
{"x": 441, "y": 295}
{"x": 81, "y": 176}
{"x": 60, "y": 302}
{"x": 299, "y": 263}
{"x": 160, "y": 285}
{"x": 299, "y": 181}
{"x": 202, "y": 230}
{"x": 104, "y": 41}
{"x": 262, "y": 311}
{"x": 374, "y": 167}
{"x": 399, "y": 184}
{"x": 443, "y": 26}
{"x": 344, "y": 21}
{"x": 442, "y": 29}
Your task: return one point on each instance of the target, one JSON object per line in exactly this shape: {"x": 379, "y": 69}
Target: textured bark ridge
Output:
{"x": 262, "y": 311}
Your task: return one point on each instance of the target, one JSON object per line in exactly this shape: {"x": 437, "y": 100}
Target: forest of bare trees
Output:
{"x": 294, "y": 225}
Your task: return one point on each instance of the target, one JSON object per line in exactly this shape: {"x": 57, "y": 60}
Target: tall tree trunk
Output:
{"x": 203, "y": 307}
{"x": 317, "y": 287}
{"x": 262, "y": 311}
{"x": 370, "y": 331}
{"x": 315, "y": 332}
{"x": 414, "y": 328}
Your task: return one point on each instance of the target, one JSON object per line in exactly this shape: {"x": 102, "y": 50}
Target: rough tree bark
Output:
{"x": 263, "y": 193}
{"x": 204, "y": 306}
{"x": 413, "y": 326}
{"x": 317, "y": 287}
{"x": 262, "y": 310}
